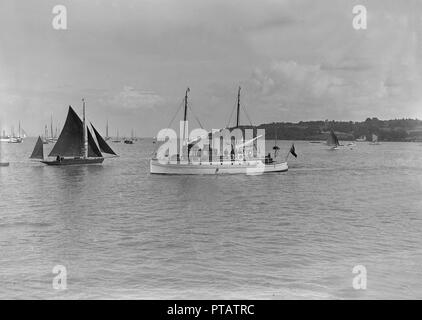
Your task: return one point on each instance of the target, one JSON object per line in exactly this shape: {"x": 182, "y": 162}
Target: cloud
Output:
{"x": 130, "y": 98}
{"x": 287, "y": 78}
{"x": 348, "y": 90}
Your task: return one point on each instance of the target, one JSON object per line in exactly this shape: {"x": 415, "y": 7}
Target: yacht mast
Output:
{"x": 51, "y": 127}
{"x": 238, "y": 108}
{"x": 185, "y": 113}
{"x": 85, "y": 134}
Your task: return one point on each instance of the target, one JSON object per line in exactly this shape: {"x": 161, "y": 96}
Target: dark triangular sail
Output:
{"x": 332, "y": 139}
{"x": 38, "y": 152}
{"x": 104, "y": 147}
{"x": 70, "y": 142}
{"x": 93, "y": 150}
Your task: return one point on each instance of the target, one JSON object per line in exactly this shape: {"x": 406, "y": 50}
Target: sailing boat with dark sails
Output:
{"x": 75, "y": 145}
{"x": 38, "y": 152}
{"x": 332, "y": 141}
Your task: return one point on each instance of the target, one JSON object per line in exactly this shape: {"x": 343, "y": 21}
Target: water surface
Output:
{"x": 123, "y": 233}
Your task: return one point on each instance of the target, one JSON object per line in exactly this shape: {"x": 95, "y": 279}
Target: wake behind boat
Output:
{"x": 200, "y": 161}
{"x": 75, "y": 145}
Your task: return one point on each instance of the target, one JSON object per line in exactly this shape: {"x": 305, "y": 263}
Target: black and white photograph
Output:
{"x": 210, "y": 150}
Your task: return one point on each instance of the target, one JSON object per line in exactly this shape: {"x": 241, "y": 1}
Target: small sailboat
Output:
{"x": 53, "y": 137}
{"x": 45, "y": 139}
{"x": 4, "y": 137}
{"x": 332, "y": 141}
{"x": 117, "y": 140}
{"x": 131, "y": 140}
{"x": 75, "y": 145}
{"x": 106, "y": 138}
{"x": 3, "y": 163}
{"x": 38, "y": 152}
{"x": 374, "y": 140}
{"x": 18, "y": 138}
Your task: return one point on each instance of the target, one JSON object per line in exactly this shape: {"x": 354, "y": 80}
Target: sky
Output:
{"x": 132, "y": 61}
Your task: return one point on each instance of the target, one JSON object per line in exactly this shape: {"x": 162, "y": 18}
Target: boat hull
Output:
{"x": 70, "y": 162}
{"x": 213, "y": 168}
{"x": 4, "y": 164}
{"x": 15, "y": 140}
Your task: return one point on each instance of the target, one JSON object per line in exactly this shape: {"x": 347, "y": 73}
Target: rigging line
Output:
{"x": 244, "y": 109}
{"x": 231, "y": 114}
{"x": 196, "y": 118}
{"x": 174, "y": 117}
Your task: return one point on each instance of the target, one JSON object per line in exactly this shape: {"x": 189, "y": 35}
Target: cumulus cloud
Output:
{"x": 335, "y": 91}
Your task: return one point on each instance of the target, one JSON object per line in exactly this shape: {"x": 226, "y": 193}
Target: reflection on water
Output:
{"x": 123, "y": 233}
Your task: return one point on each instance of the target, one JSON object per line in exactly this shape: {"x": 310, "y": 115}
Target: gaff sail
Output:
{"x": 93, "y": 150}
{"x": 104, "y": 147}
{"x": 38, "y": 152}
{"x": 332, "y": 139}
{"x": 70, "y": 142}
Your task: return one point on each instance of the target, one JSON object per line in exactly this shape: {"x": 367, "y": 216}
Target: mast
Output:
{"x": 107, "y": 130}
{"x": 19, "y": 132}
{"x": 85, "y": 135}
{"x": 51, "y": 127}
{"x": 185, "y": 113}
{"x": 238, "y": 108}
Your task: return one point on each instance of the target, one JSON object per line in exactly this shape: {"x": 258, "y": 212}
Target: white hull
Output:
{"x": 254, "y": 167}
{"x": 15, "y": 140}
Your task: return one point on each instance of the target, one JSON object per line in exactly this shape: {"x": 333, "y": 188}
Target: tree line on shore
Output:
{"x": 386, "y": 130}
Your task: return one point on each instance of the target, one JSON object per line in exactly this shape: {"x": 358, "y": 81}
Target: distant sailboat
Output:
{"x": 332, "y": 140}
{"x": 3, "y": 163}
{"x": 106, "y": 138}
{"x": 4, "y": 137}
{"x": 76, "y": 144}
{"x": 374, "y": 140}
{"x": 131, "y": 140}
{"x": 53, "y": 137}
{"x": 117, "y": 140}
{"x": 45, "y": 140}
{"x": 18, "y": 138}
